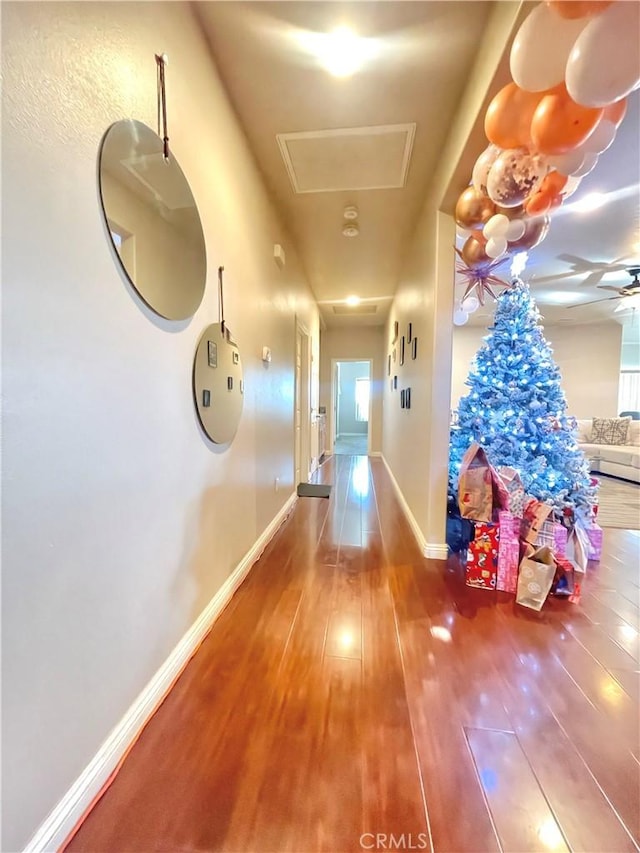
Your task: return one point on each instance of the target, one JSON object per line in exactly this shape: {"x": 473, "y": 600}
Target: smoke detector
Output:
{"x": 351, "y": 212}
{"x": 350, "y": 229}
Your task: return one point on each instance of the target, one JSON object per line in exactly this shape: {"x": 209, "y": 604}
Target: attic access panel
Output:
{"x": 355, "y": 158}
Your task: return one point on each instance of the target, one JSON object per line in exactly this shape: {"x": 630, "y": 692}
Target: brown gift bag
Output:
{"x": 535, "y": 578}
{"x": 479, "y": 486}
{"x": 535, "y": 515}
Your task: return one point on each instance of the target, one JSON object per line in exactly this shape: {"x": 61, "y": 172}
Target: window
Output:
{"x": 362, "y": 399}
{"x": 629, "y": 391}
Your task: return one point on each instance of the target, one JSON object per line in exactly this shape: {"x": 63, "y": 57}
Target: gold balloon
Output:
{"x": 535, "y": 232}
{"x": 512, "y": 212}
{"x": 473, "y": 209}
{"x": 474, "y": 254}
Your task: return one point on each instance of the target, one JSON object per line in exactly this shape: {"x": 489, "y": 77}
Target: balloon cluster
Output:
{"x": 573, "y": 62}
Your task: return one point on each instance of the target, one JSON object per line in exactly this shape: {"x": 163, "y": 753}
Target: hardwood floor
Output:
{"x": 356, "y": 696}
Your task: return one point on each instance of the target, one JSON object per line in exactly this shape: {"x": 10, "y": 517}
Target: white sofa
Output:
{"x": 618, "y": 460}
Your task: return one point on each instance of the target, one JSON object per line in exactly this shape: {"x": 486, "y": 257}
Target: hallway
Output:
{"x": 353, "y": 688}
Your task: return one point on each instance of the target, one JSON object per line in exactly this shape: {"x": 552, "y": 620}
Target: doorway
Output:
{"x": 351, "y": 404}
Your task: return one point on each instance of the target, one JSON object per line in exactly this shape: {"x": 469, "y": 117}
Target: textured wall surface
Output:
{"x": 120, "y": 519}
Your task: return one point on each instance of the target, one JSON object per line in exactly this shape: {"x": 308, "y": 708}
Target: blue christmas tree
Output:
{"x": 516, "y": 409}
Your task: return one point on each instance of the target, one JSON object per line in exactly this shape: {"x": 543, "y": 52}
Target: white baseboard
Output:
{"x": 433, "y": 550}
{"x": 375, "y": 453}
{"x": 64, "y": 817}
{"x": 436, "y": 550}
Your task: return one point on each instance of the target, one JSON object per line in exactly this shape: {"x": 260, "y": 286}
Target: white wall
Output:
{"x": 588, "y": 357}
{"x": 355, "y": 343}
{"x": 120, "y": 519}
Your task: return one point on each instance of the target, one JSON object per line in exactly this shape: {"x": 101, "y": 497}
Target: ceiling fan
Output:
{"x": 593, "y": 271}
{"x": 629, "y": 293}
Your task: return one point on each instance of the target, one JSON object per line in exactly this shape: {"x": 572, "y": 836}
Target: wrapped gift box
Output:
{"x": 508, "y": 552}
{"x": 594, "y": 532}
{"x": 508, "y": 562}
{"x": 559, "y": 540}
{"x": 482, "y": 556}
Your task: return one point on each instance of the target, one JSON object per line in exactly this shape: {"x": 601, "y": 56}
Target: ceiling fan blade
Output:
{"x": 594, "y": 302}
{"x": 574, "y": 260}
{"x": 609, "y": 287}
{"x": 544, "y": 279}
{"x": 593, "y": 278}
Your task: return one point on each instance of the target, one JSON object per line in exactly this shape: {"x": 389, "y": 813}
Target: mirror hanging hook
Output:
{"x": 221, "y": 298}
{"x": 161, "y": 62}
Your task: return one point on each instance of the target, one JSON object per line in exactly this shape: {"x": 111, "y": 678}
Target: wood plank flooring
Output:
{"x": 356, "y": 696}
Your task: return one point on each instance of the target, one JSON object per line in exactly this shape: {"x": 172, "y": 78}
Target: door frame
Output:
{"x": 332, "y": 419}
{"x": 299, "y": 464}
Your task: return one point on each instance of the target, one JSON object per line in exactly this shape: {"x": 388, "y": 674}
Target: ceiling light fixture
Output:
{"x": 350, "y": 229}
{"x": 352, "y": 301}
{"x": 341, "y": 52}
{"x": 590, "y": 202}
{"x": 351, "y": 212}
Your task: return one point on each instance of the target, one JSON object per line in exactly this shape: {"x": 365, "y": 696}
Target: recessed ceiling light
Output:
{"x": 590, "y": 202}
{"x": 351, "y": 212}
{"x": 341, "y": 52}
{"x": 350, "y": 229}
{"x": 352, "y": 300}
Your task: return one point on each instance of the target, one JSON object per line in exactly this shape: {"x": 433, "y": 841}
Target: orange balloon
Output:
{"x": 572, "y": 9}
{"x": 538, "y": 203}
{"x": 508, "y": 119}
{"x": 559, "y": 124}
{"x": 615, "y": 112}
{"x": 553, "y": 183}
{"x": 473, "y": 209}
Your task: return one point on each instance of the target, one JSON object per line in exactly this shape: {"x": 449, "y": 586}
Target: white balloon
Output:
{"x": 496, "y": 226}
{"x": 460, "y": 317}
{"x": 603, "y": 65}
{"x": 482, "y": 167}
{"x": 601, "y": 138}
{"x": 571, "y": 186}
{"x": 541, "y": 48}
{"x": 470, "y": 304}
{"x": 496, "y": 246}
{"x": 588, "y": 165}
{"x": 515, "y": 230}
{"x": 567, "y": 163}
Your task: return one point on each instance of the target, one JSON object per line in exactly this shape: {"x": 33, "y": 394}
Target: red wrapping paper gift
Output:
{"x": 482, "y": 556}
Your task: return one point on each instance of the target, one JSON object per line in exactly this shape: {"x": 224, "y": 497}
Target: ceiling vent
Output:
{"x": 358, "y": 309}
{"x": 353, "y": 158}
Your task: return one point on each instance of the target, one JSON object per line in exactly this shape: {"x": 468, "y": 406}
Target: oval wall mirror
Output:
{"x": 218, "y": 386}
{"x": 153, "y": 220}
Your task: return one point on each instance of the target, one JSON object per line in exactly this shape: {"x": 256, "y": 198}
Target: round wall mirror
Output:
{"x": 218, "y": 386}
{"x": 153, "y": 220}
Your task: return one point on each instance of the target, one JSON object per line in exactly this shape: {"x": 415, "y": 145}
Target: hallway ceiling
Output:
{"x": 323, "y": 143}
